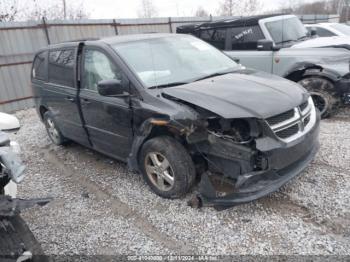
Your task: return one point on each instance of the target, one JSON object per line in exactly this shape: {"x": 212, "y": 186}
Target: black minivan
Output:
{"x": 175, "y": 109}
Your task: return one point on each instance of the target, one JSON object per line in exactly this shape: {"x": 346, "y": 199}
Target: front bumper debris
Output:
{"x": 284, "y": 165}
{"x": 343, "y": 88}
{"x": 12, "y": 164}
{"x": 10, "y": 207}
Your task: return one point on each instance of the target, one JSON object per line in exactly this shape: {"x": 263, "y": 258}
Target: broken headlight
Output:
{"x": 236, "y": 130}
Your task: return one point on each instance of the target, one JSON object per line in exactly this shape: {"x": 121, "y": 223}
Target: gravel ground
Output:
{"x": 101, "y": 208}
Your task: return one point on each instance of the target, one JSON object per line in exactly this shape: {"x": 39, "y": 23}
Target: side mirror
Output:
{"x": 112, "y": 87}
{"x": 265, "y": 45}
{"x": 313, "y": 31}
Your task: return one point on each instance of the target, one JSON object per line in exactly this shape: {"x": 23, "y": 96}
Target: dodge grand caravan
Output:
{"x": 175, "y": 109}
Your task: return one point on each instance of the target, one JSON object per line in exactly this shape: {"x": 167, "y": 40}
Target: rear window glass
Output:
{"x": 39, "y": 66}
{"x": 61, "y": 67}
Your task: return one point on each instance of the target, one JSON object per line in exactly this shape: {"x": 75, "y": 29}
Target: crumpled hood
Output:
{"x": 242, "y": 94}
{"x": 324, "y": 42}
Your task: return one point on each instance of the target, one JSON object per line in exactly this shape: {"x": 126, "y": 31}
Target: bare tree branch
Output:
{"x": 318, "y": 7}
{"x": 239, "y": 7}
{"x": 8, "y": 10}
{"x": 56, "y": 10}
{"x": 147, "y": 9}
{"x": 201, "y": 12}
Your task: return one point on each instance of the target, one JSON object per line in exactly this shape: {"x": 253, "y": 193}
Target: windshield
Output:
{"x": 345, "y": 29}
{"x": 286, "y": 30}
{"x": 173, "y": 60}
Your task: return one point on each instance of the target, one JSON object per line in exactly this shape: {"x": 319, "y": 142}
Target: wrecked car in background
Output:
{"x": 281, "y": 45}
{"x": 174, "y": 107}
{"x": 17, "y": 243}
{"x": 329, "y": 29}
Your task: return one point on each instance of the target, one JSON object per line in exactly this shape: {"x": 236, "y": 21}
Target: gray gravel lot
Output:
{"x": 101, "y": 208}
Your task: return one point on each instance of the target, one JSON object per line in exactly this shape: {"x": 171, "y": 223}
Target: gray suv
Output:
{"x": 280, "y": 44}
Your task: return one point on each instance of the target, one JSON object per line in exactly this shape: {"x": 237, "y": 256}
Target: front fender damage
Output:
{"x": 234, "y": 172}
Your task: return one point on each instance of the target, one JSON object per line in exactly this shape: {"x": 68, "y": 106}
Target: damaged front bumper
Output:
{"x": 282, "y": 164}
{"x": 343, "y": 88}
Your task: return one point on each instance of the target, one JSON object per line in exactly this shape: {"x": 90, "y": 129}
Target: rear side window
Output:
{"x": 246, "y": 38}
{"x": 39, "y": 66}
{"x": 61, "y": 67}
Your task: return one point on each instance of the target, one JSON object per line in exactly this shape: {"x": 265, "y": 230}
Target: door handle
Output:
{"x": 85, "y": 101}
{"x": 71, "y": 99}
{"x": 237, "y": 60}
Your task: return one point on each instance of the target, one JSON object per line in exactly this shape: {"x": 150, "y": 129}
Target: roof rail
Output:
{"x": 81, "y": 40}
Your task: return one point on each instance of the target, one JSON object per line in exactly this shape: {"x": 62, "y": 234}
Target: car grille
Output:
{"x": 293, "y": 123}
{"x": 285, "y": 133}
{"x": 304, "y": 105}
{"x": 280, "y": 118}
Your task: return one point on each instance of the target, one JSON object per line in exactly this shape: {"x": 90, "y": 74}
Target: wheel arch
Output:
{"x": 151, "y": 128}
{"x": 304, "y": 70}
{"x": 42, "y": 110}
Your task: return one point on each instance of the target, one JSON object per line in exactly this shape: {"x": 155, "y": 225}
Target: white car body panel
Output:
{"x": 327, "y": 26}
{"x": 324, "y": 41}
{"x": 11, "y": 189}
{"x": 8, "y": 122}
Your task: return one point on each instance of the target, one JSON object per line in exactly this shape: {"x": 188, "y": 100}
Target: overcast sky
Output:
{"x": 129, "y": 8}
{"x": 105, "y": 9}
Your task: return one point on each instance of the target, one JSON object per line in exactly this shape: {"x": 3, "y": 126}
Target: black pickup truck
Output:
{"x": 174, "y": 107}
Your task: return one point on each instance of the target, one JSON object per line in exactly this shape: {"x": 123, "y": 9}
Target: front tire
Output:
{"x": 323, "y": 94}
{"x": 167, "y": 167}
{"x": 53, "y": 132}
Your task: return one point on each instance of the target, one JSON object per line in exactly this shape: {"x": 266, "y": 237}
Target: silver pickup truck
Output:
{"x": 280, "y": 44}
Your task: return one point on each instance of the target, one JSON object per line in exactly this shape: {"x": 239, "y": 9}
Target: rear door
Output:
{"x": 61, "y": 93}
{"x": 107, "y": 119}
{"x": 243, "y": 48}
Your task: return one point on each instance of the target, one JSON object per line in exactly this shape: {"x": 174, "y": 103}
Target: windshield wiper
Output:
{"x": 168, "y": 85}
{"x": 303, "y": 37}
{"x": 213, "y": 75}
{"x": 286, "y": 41}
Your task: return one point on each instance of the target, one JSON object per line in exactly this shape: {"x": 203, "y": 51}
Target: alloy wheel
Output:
{"x": 159, "y": 171}
{"x": 320, "y": 102}
{"x": 52, "y": 130}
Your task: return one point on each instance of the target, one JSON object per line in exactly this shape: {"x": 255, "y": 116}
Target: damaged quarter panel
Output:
{"x": 334, "y": 60}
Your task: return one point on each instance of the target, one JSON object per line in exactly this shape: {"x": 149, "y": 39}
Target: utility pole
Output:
{"x": 64, "y": 10}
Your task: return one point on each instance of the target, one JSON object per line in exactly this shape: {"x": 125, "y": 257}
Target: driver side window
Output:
{"x": 98, "y": 67}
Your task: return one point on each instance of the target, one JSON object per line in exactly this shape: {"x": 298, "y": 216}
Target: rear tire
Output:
{"x": 167, "y": 167}
{"x": 324, "y": 96}
{"x": 52, "y": 130}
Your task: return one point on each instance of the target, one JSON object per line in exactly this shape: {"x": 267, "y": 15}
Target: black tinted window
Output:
{"x": 215, "y": 37}
{"x": 61, "y": 67}
{"x": 246, "y": 38}
{"x": 206, "y": 35}
{"x": 39, "y": 66}
{"x": 323, "y": 32}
